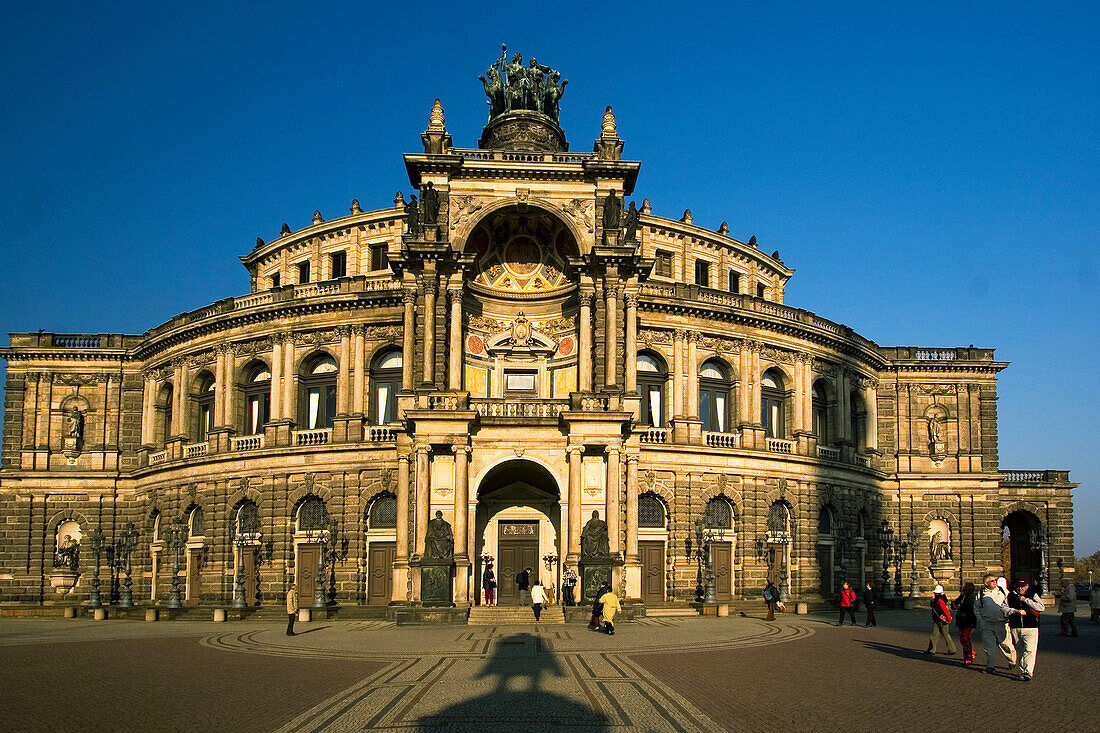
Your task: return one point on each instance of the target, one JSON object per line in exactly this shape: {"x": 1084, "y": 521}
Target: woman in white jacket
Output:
{"x": 538, "y": 598}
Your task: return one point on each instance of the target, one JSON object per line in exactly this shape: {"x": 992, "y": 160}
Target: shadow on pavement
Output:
{"x": 518, "y": 702}
{"x": 310, "y": 630}
{"x": 908, "y": 652}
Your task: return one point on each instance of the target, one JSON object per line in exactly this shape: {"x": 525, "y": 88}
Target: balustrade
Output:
{"x": 381, "y": 434}
{"x": 513, "y": 408}
{"x": 829, "y": 454}
{"x": 195, "y": 450}
{"x": 160, "y": 456}
{"x": 721, "y": 440}
{"x": 247, "y": 442}
{"x": 779, "y": 445}
{"x": 318, "y": 436}
{"x": 654, "y": 435}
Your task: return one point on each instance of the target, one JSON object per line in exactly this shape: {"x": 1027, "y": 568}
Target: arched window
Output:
{"x": 204, "y": 407}
{"x": 257, "y": 398}
{"x": 383, "y": 512}
{"x": 196, "y": 523}
{"x": 779, "y": 522}
{"x": 652, "y": 375}
{"x": 718, "y": 514}
{"x": 248, "y": 520}
{"x": 385, "y": 382}
{"x": 317, "y": 407}
{"x": 825, "y": 521}
{"x": 164, "y": 412}
{"x": 312, "y": 515}
{"x": 714, "y": 392}
{"x": 820, "y": 414}
{"x": 651, "y": 511}
{"x": 772, "y": 403}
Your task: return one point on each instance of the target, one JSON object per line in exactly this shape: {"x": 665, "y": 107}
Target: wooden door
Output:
{"x": 380, "y": 560}
{"x": 652, "y": 554}
{"x": 515, "y": 555}
{"x": 306, "y": 573}
{"x": 248, "y": 570}
{"x": 776, "y": 557}
{"x": 722, "y": 554}
{"x": 194, "y": 575}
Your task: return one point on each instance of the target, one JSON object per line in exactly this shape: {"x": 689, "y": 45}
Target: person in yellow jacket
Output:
{"x": 291, "y": 608}
{"x": 611, "y": 606}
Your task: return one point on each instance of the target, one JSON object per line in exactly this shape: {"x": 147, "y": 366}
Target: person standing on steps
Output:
{"x": 1067, "y": 606}
{"x": 489, "y": 585}
{"x": 847, "y": 598}
{"x": 941, "y": 621}
{"x": 771, "y": 597}
{"x": 870, "y": 598}
{"x": 523, "y": 580}
{"x": 966, "y": 618}
{"x": 291, "y": 608}
{"x": 568, "y": 586}
{"x": 538, "y": 598}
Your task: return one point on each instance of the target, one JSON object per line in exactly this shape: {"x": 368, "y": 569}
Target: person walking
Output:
{"x": 1067, "y": 606}
{"x": 489, "y": 585}
{"x": 538, "y": 598}
{"x": 523, "y": 580}
{"x": 1023, "y": 625}
{"x": 1094, "y": 603}
{"x": 870, "y": 598}
{"x": 291, "y": 608}
{"x": 610, "y": 606}
{"x": 597, "y": 607}
{"x": 847, "y": 598}
{"x": 993, "y": 612}
{"x": 771, "y": 597}
{"x": 966, "y": 618}
{"x": 568, "y": 586}
{"x": 941, "y": 620}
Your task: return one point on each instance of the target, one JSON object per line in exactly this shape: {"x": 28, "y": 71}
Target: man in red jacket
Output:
{"x": 847, "y": 601}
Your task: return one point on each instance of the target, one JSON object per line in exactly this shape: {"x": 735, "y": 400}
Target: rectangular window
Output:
{"x": 339, "y": 264}
{"x": 379, "y": 257}
{"x": 704, "y": 409}
{"x": 274, "y": 279}
{"x": 303, "y": 272}
{"x": 655, "y": 406}
{"x": 520, "y": 384}
{"x": 259, "y": 413}
{"x": 720, "y": 411}
{"x": 735, "y": 282}
{"x": 662, "y": 266}
{"x": 771, "y": 417}
{"x": 702, "y": 273}
{"x": 759, "y": 290}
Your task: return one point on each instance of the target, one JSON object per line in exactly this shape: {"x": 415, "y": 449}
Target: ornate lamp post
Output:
{"x": 336, "y": 551}
{"x": 844, "y": 536}
{"x": 886, "y": 541}
{"x": 901, "y": 551}
{"x": 914, "y": 578}
{"x": 704, "y": 536}
{"x": 127, "y": 541}
{"x": 177, "y": 538}
{"x": 97, "y": 549}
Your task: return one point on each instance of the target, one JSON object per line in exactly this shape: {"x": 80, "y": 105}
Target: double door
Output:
{"x": 380, "y": 560}
{"x": 652, "y": 555}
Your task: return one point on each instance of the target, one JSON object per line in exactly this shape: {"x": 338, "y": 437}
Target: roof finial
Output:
{"x": 436, "y": 139}
{"x": 355, "y": 209}
{"x": 724, "y": 230}
{"x": 608, "y": 145}
{"x": 609, "y": 129}
{"x": 435, "y": 119}
{"x": 317, "y": 216}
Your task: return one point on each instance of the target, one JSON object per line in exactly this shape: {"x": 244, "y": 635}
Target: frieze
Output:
{"x": 780, "y": 356}
{"x": 936, "y": 389}
{"x": 385, "y": 333}
{"x": 315, "y": 338}
{"x": 582, "y": 211}
{"x": 251, "y": 348}
{"x": 654, "y": 336}
{"x": 77, "y": 380}
{"x": 464, "y": 207}
{"x": 721, "y": 344}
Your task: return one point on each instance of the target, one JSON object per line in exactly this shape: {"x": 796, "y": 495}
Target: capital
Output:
{"x": 408, "y": 296}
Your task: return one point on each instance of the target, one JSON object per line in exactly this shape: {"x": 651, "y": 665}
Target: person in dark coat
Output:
{"x": 489, "y": 585}
{"x": 523, "y": 580}
{"x": 966, "y": 619}
{"x": 870, "y": 598}
{"x": 771, "y": 597}
{"x": 941, "y": 619}
{"x": 597, "y": 607}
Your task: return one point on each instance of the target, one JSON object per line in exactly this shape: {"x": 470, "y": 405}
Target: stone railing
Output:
{"x": 936, "y": 355}
{"x": 247, "y": 301}
{"x": 450, "y": 402}
{"x": 161, "y": 456}
{"x": 780, "y": 445}
{"x": 516, "y": 408}
{"x": 195, "y": 450}
{"x": 862, "y": 460}
{"x": 381, "y": 434}
{"x": 75, "y": 341}
{"x": 318, "y": 436}
{"x": 525, "y": 157}
{"x": 594, "y": 403}
{"x": 653, "y": 435}
{"x": 311, "y": 289}
{"x": 721, "y": 440}
{"x": 247, "y": 442}
{"x": 827, "y": 453}
{"x": 1018, "y": 476}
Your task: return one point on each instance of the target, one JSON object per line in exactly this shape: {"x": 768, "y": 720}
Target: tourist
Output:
{"x": 966, "y": 618}
{"x": 548, "y": 585}
{"x": 1094, "y": 603}
{"x": 1067, "y": 606}
{"x": 569, "y": 586}
{"x": 523, "y": 580}
{"x": 291, "y": 608}
{"x": 489, "y": 585}
{"x": 847, "y": 598}
{"x": 609, "y": 603}
{"x": 597, "y": 607}
{"x": 993, "y": 612}
{"x": 941, "y": 620}
{"x": 1023, "y": 625}
{"x": 538, "y": 598}
{"x": 771, "y": 597}
{"x": 870, "y": 598}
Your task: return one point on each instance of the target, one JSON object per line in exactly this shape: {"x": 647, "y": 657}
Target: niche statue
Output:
{"x": 439, "y": 540}
{"x": 594, "y": 542}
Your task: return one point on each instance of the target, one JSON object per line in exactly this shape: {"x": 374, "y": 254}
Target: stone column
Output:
{"x": 754, "y": 375}
{"x": 808, "y": 395}
{"x": 612, "y": 496}
{"x": 343, "y": 373}
{"x": 220, "y": 381}
{"x": 574, "y": 533}
{"x": 630, "y": 344}
{"x": 800, "y": 397}
{"x": 677, "y": 374}
{"x": 844, "y": 407}
{"x": 870, "y": 396}
{"x": 148, "y": 410}
{"x": 462, "y": 500}
{"x": 454, "y": 348}
{"x": 423, "y": 497}
{"x": 179, "y": 412}
{"x": 631, "y": 507}
{"x": 692, "y": 369}
{"x": 611, "y": 341}
{"x": 408, "y": 339}
{"x": 288, "y": 379}
{"x": 276, "y": 378}
{"x": 403, "y": 507}
{"x": 428, "y": 334}
{"x": 359, "y": 384}
{"x": 230, "y": 393}
{"x": 744, "y": 389}
{"x": 584, "y": 352}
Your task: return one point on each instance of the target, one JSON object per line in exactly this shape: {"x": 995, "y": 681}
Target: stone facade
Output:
{"x": 529, "y": 358}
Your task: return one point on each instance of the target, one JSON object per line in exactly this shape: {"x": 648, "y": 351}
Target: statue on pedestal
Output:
{"x": 429, "y": 205}
{"x": 412, "y": 214}
{"x": 439, "y": 540}
{"x": 594, "y": 539}
{"x": 612, "y": 212}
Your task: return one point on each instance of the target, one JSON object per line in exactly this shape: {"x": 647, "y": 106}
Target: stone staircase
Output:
{"x": 503, "y": 615}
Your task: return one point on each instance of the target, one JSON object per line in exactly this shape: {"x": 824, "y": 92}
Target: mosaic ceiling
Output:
{"x": 521, "y": 253}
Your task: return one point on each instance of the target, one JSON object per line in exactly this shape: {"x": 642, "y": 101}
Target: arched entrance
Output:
{"x": 517, "y": 523}
{"x": 1022, "y": 546}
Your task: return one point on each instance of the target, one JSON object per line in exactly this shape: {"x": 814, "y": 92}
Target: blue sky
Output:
{"x": 931, "y": 172}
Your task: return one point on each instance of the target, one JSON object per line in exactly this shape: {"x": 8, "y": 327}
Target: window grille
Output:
{"x": 778, "y": 519}
{"x": 248, "y": 519}
{"x": 313, "y": 515}
{"x": 383, "y": 512}
{"x": 718, "y": 514}
{"x": 651, "y": 512}
{"x": 198, "y": 522}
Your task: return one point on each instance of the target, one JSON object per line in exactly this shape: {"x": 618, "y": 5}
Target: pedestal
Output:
{"x": 219, "y": 615}
{"x": 100, "y": 614}
{"x": 436, "y": 585}
{"x": 151, "y": 614}
{"x": 595, "y": 571}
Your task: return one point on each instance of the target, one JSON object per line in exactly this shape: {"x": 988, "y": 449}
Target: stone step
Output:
{"x": 482, "y": 616}
{"x": 682, "y": 611}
